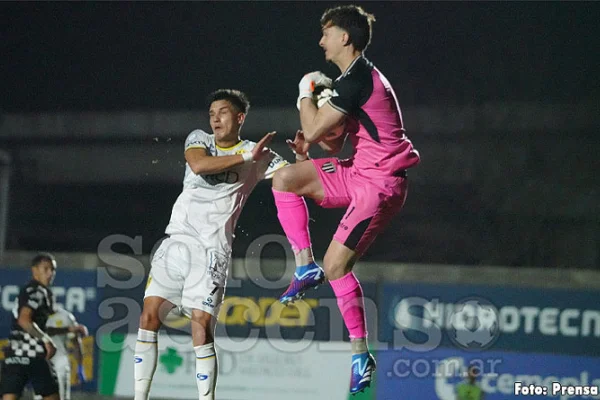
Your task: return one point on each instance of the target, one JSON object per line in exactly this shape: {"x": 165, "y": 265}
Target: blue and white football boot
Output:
{"x": 363, "y": 367}
{"x": 305, "y": 277}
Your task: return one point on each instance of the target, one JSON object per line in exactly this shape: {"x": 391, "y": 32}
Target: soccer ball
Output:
{"x": 320, "y": 96}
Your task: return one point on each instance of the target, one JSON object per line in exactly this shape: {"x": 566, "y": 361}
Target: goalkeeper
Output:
{"x": 371, "y": 185}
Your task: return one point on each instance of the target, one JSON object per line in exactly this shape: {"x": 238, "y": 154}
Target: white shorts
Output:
{"x": 188, "y": 275}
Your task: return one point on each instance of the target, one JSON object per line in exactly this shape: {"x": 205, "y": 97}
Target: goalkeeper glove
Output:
{"x": 307, "y": 85}
{"x": 322, "y": 97}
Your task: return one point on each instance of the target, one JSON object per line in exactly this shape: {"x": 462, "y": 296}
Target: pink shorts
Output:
{"x": 371, "y": 202}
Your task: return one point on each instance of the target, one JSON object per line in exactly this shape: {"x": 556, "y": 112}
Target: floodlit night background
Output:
{"x": 502, "y": 100}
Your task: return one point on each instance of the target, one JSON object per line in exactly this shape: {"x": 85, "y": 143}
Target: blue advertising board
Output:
{"x": 436, "y": 374}
{"x": 75, "y": 291}
{"x": 250, "y": 309}
{"x": 490, "y": 317}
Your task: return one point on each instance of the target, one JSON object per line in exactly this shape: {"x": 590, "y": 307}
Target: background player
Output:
{"x": 66, "y": 333}
{"x": 30, "y": 347}
{"x": 372, "y": 184}
{"x": 190, "y": 267}
{"x": 469, "y": 389}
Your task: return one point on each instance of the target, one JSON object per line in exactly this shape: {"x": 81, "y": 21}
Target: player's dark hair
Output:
{"x": 40, "y": 257}
{"x": 237, "y": 98}
{"x": 354, "y": 20}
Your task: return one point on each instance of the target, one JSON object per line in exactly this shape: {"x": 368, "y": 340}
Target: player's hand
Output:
{"x": 260, "y": 150}
{"x": 299, "y": 146}
{"x": 81, "y": 374}
{"x": 307, "y": 85}
{"x": 50, "y": 349}
{"x": 80, "y": 330}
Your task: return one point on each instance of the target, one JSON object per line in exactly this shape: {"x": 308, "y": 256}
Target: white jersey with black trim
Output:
{"x": 61, "y": 319}
{"x": 209, "y": 206}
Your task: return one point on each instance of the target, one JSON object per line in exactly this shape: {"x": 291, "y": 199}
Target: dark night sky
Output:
{"x": 169, "y": 55}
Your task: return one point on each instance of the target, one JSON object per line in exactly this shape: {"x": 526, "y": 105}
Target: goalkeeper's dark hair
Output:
{"x": 40, "y": 257}
{"x": 237, "y": 98}
{"x": 354, "y": 20}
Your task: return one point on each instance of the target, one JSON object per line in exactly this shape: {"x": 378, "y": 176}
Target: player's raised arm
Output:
{"x": 316, "y": 122}
{"x": 203, "y": 164}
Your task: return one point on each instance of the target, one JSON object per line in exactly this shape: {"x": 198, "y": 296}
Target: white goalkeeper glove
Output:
{"x": 307, "y": 85}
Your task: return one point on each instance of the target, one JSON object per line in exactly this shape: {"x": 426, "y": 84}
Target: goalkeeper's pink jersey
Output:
{"x": 381, "y": 146}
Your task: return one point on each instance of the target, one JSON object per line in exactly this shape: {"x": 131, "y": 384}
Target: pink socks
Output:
{"x": 350, "y": 300}
{"x": 293, "y": 217}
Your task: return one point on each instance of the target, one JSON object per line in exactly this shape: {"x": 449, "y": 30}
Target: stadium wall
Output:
{"x": 500, "y": 184}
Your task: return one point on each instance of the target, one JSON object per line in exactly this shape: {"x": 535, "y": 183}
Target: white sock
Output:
{"x": 359, "y": 346}
{"x": 146, "y": 352}
{"x": 206, "y": 371}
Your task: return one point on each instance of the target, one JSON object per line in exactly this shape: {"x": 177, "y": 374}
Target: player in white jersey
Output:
{"x": 189, "y": 269}
{"x": 65, "y": 325}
